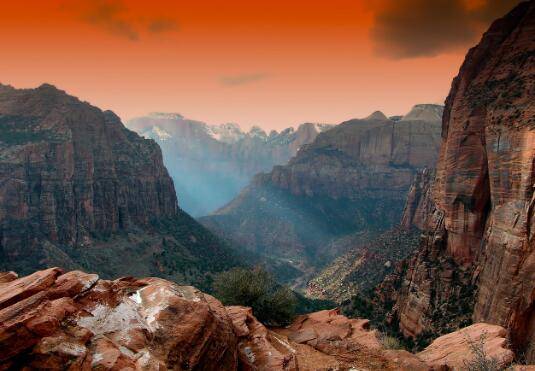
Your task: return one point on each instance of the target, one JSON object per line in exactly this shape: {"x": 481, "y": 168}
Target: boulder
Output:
{"x": 77, "y": 321}
{"x": 477, "y": 343}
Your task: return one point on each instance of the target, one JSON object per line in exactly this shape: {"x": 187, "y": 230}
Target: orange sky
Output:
{"x": 270, "y": 63}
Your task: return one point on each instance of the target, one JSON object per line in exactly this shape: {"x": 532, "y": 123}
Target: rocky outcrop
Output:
{"x": 469, "y": 347}
{"x": 365, "y": 264}
{"x": 76, "y": 321}
{"x": 419, "y": 205}
{"x": 478, "y": 244}
{"x": 210, "y": 164}
{"x": 69, "y": 169}
{"x": 79, "y": 189}
{"x": 73, "y": 320}
{"x": 353, "y": 178}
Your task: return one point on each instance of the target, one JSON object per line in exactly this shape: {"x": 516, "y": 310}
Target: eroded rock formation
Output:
{"x": 478, "y": 244}
{"x": 74, "y": 320}
{"x": 78, "y": 189}
{"x": 352, "y": 178}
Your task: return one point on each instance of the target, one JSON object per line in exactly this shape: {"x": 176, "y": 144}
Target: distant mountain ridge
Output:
{"x": 353, "y": 178}
{"x": 210, "y": 164}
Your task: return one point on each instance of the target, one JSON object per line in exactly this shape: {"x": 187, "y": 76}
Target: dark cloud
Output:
{"x": 116, "y": 18}
{"x": 422, "y": 28}
{"x": 162, "y": 25}
{"x": 243, "y": 79}
{"x": 110, "y": 15}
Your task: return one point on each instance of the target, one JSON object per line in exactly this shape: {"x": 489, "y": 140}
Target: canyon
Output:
{"x": 351, "y": 183}
{"x": 210, "y": 164}
{"x": 420, "y": 227}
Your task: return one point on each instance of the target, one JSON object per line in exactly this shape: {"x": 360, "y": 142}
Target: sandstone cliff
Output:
{"x": 353, "y": 178}
{"x": 79, "y": 189}
{"x": 77, "y": 321}
{"x": 478, "y": 246}
{"x": 210, "y": 164}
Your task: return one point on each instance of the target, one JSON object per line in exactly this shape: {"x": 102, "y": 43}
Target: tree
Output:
{"x": 272, "y": 303}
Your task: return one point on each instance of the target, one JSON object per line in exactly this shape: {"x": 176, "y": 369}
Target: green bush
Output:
{"x": 272, "y": 303}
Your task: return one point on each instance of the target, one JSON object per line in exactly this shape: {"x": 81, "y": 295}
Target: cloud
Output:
{"x": 423, "y": 28}
{"x": 116, "y": 18}
{"x": 162, "y": 25}
{"x": 110, "y": 15}
{"x": 243, "y": 79}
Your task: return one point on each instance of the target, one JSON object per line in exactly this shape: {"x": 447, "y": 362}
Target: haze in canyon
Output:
{"x": 321, "y": 202}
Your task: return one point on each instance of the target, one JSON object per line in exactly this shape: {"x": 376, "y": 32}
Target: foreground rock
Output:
{"x": 457, "y": 350}
{"x": 76, "y": 321}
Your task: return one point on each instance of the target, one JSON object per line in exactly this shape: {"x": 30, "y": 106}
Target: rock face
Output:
{"x": 419, "y": 205}
{"x": 365, "y": 264}
{"x": 77, "y": 321}
{"x": 353, "y": 178}
{"x": 78, "y": 188}
{"x": 69, "y": 169}
{"x": 458, "y": 349}
{"x": 478, "y": 244}
{"x": 210, "y": 164}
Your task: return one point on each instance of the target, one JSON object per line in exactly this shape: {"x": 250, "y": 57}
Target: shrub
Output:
{"x": 390, "y": 342}
{"x": 272, "y": 303}
{"x": 480, "y": 361}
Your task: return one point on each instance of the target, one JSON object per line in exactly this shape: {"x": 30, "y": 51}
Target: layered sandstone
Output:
{"x": 76, "y": 321}
{"x": 478, "y": 244}
{"x": 73, "y": 320}
{"x": 78, "y": 189}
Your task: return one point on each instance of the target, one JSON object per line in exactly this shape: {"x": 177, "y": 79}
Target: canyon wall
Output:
{"x": 478, "y": 245}
{"x": 79, "y": 189}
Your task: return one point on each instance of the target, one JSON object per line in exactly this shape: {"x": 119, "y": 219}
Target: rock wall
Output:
{"x": 419, "y": 205}
{"x": 78, "y": 189}
{"x": 481, "y": 232}
{"x": 68, "y": 169}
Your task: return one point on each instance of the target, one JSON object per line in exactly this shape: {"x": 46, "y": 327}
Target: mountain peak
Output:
{"x": 166, "y": 115}
{"x": 377, "y": 115}
{"x": 424, "y": 112}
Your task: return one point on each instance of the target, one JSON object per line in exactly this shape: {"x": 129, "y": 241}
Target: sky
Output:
{"x": 268, "y": 63}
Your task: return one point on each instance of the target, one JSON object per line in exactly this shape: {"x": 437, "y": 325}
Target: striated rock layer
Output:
{"x": 79, "y": 189}
{"x": 479, "y": 244}
{"x": 352, "y": 178}
{"x": 77, "y": 321}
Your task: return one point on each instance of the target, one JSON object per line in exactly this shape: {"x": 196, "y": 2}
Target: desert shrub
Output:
{"x": 390, "y": 342}
{"x": 480, "y": 361}
{"x": 272, "y": 303}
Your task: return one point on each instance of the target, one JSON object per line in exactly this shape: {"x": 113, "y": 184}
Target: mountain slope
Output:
{"x": 79, "y": 189}
{"x": 352, "y": 178}
{"x": 210, "y": 164}
{"x": 478, "y": 246}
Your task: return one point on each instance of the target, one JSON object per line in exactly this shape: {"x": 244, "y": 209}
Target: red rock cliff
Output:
{"x": 69, "y": 170}
{"x": 482, "y": 230}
